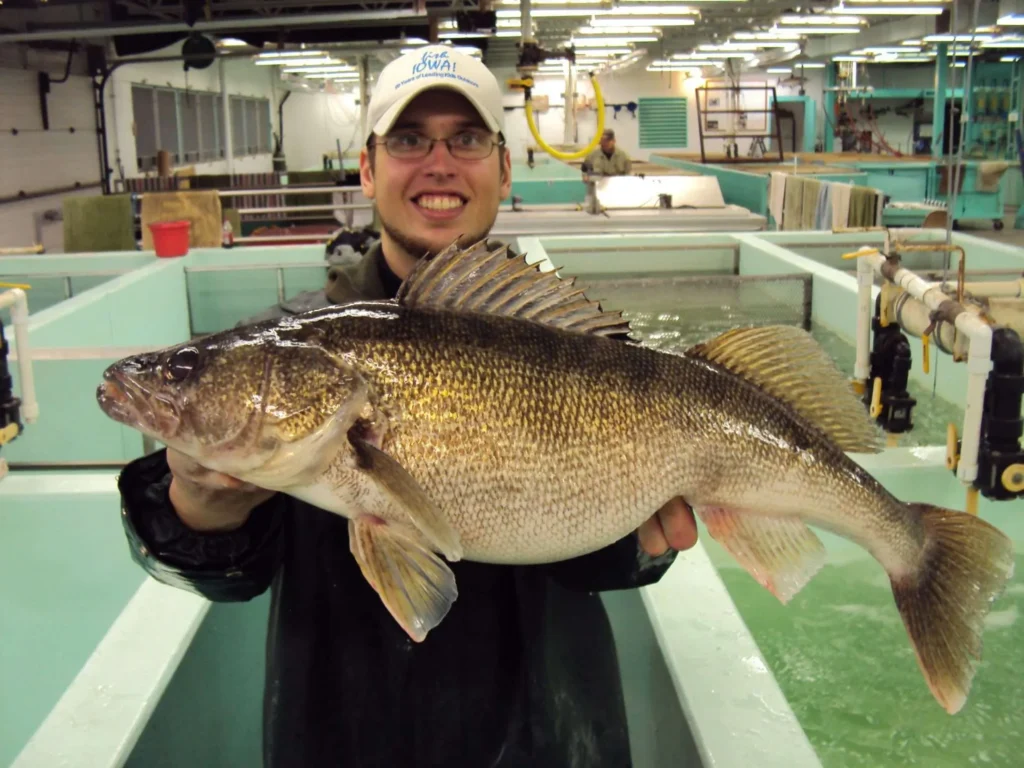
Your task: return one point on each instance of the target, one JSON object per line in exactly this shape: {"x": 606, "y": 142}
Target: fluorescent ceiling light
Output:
{"x": 332, "y": 76}
{"x": 827, "y": 30}
{"x": 654, "y": 21}
{"x": 547, "y": 13}
{"x": 720, "y": 54}
{"x": 611, "y": 42}
{"x": 296, "y": 62}
{"x": 231, "y": 42}
{"x": 809, "y": 64}
{"x": 883, "y": 49}
{"x": 1012, "y": 20}
{"x": 819, "y": 18}
{"x": 946, "y": 38}
{"x": 1009, "y": 59}
{"x": 617, "y": 30}
{"x": 1004, "y": 42}
{"x": 900, "y": 10}
{"x": 779, "y": 71}
{"x": 475, "y": 35}
{"x": 781, "y": 34}
{"x": 751, "y": 47}
{"x": 319, "y": 70}
{"x": 288, "y": 54}
{"x": 848, "y": 58}
{"x": 594, "y": 49}
{"x": 650, "y": 9}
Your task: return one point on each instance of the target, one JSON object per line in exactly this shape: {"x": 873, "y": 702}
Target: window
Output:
{"x": 189, "y": 125}
{"x": 662, "y": 122}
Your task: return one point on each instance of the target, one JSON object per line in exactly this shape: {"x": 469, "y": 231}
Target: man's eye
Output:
{"x": 407, "y": 140}
{"x": 469, "y": 139}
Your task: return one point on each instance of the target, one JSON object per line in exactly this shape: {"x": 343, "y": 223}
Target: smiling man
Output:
{"x": 523, "y": 670}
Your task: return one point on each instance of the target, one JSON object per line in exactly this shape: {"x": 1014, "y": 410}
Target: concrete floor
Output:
{"x": 1007, "y": 235}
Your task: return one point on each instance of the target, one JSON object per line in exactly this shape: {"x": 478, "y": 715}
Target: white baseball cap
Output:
{"x": 433, "y": 66}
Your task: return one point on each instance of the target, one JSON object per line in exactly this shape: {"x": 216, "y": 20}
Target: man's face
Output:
{"x": 426, "y": 203}
{"x": 608, "y": 145}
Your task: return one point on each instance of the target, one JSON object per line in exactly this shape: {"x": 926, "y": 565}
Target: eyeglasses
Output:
{"x": 469, "y": 144}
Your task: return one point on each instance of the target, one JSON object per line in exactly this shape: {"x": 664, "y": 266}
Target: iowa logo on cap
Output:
{"x": 434, "y": 61}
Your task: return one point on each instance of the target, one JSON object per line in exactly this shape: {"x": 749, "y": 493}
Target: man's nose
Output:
{"x": 440, "y": 159}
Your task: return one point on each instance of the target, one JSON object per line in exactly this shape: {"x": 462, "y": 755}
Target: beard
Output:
{"x": 418, "y": 247}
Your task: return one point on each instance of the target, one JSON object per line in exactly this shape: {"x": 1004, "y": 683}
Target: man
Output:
{"x": 608, "y": 160}
{"x": 522, "y": 671}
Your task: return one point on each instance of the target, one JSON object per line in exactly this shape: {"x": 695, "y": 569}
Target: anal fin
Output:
{"x": 782, "y": 553}
{"x": 414, "y": 584}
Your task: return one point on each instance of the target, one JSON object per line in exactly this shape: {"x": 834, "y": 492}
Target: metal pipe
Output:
{"x": 364, "y": 74}
{"x": 18, "y": 303}
{"x": 229, "y": 142}
{"x": 526, "y": 28}
{"x": 301, "y": 208}
{"x": 282, "y": 191}
{"x": 276, "y": 238}
{"x": 77, "y": 186}
{"x": 360, "y": 18}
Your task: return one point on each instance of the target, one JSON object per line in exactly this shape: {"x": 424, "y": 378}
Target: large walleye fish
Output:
{"x": 484, "y": 414}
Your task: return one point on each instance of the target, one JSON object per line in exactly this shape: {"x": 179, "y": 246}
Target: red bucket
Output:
{"x": 170, "y": 238}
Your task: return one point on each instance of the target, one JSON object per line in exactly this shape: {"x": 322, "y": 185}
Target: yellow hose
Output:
{"x": 569, "y": 155}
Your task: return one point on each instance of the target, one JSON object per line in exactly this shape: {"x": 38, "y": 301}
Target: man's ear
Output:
{"x": 506, "y": 173}
{"x": 366, "y": 173}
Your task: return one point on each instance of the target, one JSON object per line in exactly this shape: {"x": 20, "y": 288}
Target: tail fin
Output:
{"x": 966, "y": 564}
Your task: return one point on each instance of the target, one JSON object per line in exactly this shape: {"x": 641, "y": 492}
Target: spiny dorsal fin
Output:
{"x": 788, "y": 364}
{"x": 478, "y": 279}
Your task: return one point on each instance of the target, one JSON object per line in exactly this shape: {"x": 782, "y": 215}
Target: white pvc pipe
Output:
{"x": 865, "y": 281}
{"x": 18, "y": 302}
{"x": 979, "y": 360}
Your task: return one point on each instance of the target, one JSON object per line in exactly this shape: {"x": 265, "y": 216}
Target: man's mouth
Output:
{"x": 440, "y": 202}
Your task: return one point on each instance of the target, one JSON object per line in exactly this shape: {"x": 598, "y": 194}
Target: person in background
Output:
{"x": 607, "y": 159}
{"x": 523, "y": 669}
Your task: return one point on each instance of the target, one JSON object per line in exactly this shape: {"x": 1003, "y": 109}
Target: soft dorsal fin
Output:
{"x": 478, "y": 279}
{"x": 788, "y": 363}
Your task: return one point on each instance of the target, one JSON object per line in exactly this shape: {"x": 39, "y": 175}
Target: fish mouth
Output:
{"x": 126, "y": 401}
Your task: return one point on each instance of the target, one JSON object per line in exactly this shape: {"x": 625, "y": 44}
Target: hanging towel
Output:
{"x": 987, "y": 176}
{"x": 823, "y": 213}
{"x": 794, "y": 201}
{"x": 862, "y": 207}
{"x": 777, "y": 196}
{"x": 840, "y": 205}
{"x": 810, "y": 203}
{"x": 879, "y": 207}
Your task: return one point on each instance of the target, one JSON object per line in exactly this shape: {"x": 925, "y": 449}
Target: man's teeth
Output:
{"x": 440, "y": 202}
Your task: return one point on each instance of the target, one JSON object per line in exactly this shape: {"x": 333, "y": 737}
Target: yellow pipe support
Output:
{"x": 23, "y": 286}
{"x": 892, "y": 440}
{"x": 925, "y": 352}
{"x": 1013, "y": 478}
{"x": 8, "y": 433}
{"x": 952, "y": 458}
{"x": 569, "y": 155}
{"x": 972, "y": 501}
{"x": 876, "y": 398}
{"x": 859, "y": 386}
{"x": 866, "y": 252}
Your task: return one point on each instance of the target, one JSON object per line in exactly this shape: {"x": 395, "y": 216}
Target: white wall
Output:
{"x": 314, "y": 123}
{"x": 36, "y": 160}
{"x": 621, "y": 89}
{"x": 243, "y": 79}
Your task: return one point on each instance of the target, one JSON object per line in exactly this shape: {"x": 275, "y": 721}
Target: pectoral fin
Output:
{"x": 415, "y": 585}
{"x": 783, "y": 554}
{"x": 407, "y": 494}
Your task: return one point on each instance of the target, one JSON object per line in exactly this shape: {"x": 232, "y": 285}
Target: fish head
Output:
{"x": 232, "y": 401}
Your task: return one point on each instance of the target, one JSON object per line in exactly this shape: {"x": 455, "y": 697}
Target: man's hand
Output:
{"x": 210, "y": 501}
{"x": 672, "y": 526}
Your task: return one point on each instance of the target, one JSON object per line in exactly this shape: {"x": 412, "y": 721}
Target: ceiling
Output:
{"x": 384, "y": 27}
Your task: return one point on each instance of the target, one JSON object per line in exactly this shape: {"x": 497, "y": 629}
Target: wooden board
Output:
{"x": 200, "y": 207}
{"x": 644, "y": 168}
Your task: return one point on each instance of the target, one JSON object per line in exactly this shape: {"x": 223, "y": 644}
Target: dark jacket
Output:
{"x": 521, "y": 672}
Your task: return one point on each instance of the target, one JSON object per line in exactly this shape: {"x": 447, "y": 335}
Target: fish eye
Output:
{"x": 181, "y": 364}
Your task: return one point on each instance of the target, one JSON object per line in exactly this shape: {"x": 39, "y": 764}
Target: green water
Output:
{"x": 670, "y": 313}
{"x": 842, "y": 658}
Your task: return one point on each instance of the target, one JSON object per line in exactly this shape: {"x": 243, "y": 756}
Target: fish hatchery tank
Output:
{"x": 715, "y": 669}
{"x": 838, "y": 650}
